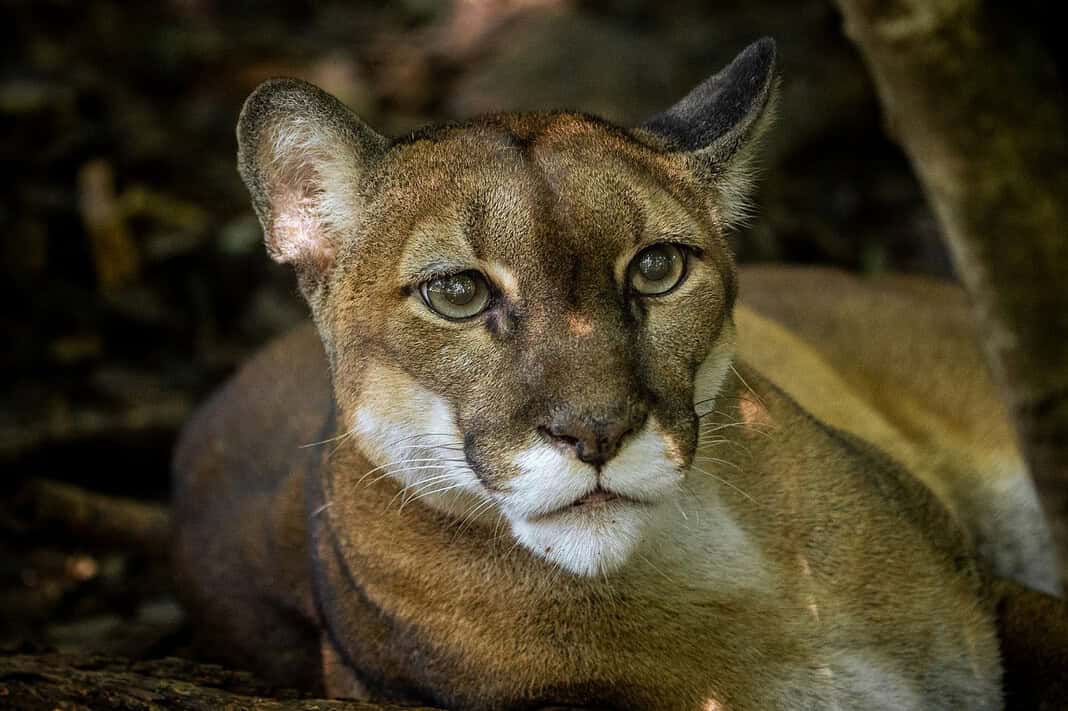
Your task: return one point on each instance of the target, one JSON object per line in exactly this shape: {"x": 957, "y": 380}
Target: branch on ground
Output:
{"x": 54, "y": 509}
{"x": 58, "y": 681}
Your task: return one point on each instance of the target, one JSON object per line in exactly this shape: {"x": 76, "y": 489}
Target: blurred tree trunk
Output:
{"x": 974, "y": 98}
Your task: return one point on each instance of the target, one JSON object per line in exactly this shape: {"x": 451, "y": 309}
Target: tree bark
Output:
{"x": 44, "y": 682}
{"x": 975, "y": 101}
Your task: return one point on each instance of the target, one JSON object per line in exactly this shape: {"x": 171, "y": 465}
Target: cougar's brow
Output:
{"x": 453, "y": 236}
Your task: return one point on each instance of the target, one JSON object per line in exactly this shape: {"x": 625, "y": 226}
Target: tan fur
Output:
{"x": 915, "y": 385}
{"x": 799, "y": 522}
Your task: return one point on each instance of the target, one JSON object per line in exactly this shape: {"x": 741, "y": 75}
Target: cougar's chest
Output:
{"x": 704, "y": 617}
{"x": 600, "y": 647}
{"x": 464, "y": 626}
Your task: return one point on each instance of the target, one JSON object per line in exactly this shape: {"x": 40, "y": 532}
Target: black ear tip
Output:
{"x": 725, "y": 104}
{"x": 278, "y": 96}
{"x": 764, "y": 45}
{"x": 280, "y": 92}
{"x": 269, "y": 94}
{"x": 760, "y": 55}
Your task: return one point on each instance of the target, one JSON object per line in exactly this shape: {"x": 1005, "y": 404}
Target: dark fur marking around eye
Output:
{"x": 501, "y": 321}
{"x": 572, "y": 295}
{"x": 635, "y": 311}
{"x": 493, "y": 324}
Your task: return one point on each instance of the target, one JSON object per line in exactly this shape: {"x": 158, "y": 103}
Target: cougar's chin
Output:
{"x": 585, "y": 520}
{"x": 587, "y": 538}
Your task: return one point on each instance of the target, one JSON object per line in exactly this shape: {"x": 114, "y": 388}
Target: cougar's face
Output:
{"x": 532, "y": 311}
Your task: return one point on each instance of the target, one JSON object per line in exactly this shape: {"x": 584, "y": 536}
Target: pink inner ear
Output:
{"x": 298, "y": 234}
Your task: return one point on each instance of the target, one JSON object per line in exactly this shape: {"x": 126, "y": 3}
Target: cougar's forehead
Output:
{"x": 533, "y": 188}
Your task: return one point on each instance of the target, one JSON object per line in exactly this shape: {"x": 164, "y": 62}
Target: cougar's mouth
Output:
{"x": 597, "y": 497}
{"x": 596, "y": 500}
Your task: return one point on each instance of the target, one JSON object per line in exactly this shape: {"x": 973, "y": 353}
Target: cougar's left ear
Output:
{"x": 304, "y": 157}
{"x": 717, "y": 126}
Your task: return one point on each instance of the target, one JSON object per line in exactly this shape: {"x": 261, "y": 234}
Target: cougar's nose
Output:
{"x": 594, "y": 440}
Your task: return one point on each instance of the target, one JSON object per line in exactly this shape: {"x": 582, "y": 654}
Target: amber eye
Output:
{"x": 657, "y": 269}
{"x": 457, "y": 297}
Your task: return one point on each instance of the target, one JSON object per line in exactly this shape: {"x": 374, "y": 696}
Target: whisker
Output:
{"x": 341, "y": 442}
{"x": 726, "y": 483}
{"x": 387, "y": 465}
{"x": 421, "y": 436}
{"x": 428, "y": 446}
{"x": 391, "y": 472}
{"x": 710, "y": 427}
{"x": 511, "y": 549}
{"x": 497, "y": 527}
{"x": 712, "y": 437}
{"x": 470, "y": 518}
{"x": 760, "y": 429}
{"x": 343, "y": 435}
{"x": 439, "y": 490}
{"x": 609, "y": 591}
{"x": 421, "y": 483}
{"x": 695, "y": 497}
{"x": 717, "y": 460}
{"x": 747, "y": 387}
{"x": 717, "y": 442}
{"x": 650, "y": 563}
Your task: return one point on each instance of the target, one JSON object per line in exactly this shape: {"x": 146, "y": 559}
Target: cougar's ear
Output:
{"x": 718, "y": 126}
{"x": 303, "y": 156}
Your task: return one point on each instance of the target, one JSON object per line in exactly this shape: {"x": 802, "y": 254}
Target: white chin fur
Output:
{"x": 590, "y": 540}
{"x": 586, "y": 542}
{"x": 412, "y": 434}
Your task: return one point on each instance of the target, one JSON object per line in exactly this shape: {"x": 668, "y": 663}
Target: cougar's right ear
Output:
{"x": 303, "y": 156}
{"x": 717, "y": 126}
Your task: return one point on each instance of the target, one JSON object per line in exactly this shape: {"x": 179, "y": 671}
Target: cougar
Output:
{"x": 534, "y": 454}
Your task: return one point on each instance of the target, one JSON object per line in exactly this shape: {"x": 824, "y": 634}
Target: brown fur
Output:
{"x": 794, "y": 566}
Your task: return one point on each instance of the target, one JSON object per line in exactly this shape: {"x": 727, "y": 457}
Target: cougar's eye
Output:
{"x": 657, "y": 270}
{"x": 457, "y": 297}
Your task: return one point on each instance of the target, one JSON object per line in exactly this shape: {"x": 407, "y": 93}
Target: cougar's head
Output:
{"x": 523, "y": 313}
